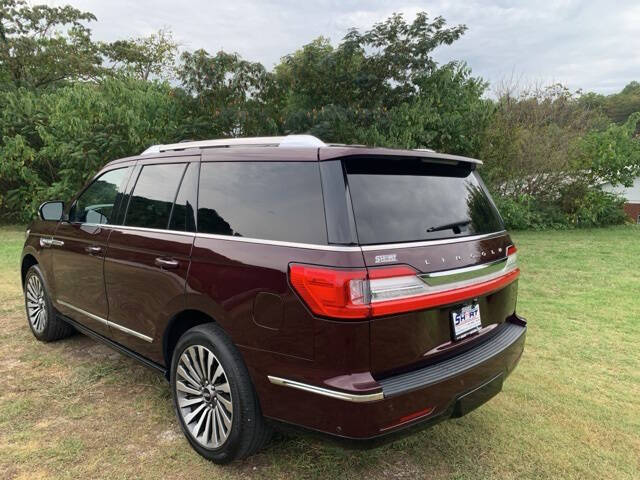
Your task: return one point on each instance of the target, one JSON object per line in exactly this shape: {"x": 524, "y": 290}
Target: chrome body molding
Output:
{"x": 347, "y": 397}
{"x": 427, "y": 243}
{"x": 474, "y": 272}
{"x": 311, "y": 246}
{"x": 106, "y": 322}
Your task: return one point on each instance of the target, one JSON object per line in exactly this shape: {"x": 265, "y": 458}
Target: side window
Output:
{"x": 100, "y": 201}
{"x": 153, "y": 195}
{"x": 265, "y": 200}
{"x": 183, "y": 217}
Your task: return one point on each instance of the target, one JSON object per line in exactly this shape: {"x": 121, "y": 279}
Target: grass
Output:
{"x": 76, "y": 409}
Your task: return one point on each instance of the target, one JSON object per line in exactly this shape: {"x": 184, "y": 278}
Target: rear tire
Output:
{"x": 44, "y": 323}
{"x": 214, "y": 398}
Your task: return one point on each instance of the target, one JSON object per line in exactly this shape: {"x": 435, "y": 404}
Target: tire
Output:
{"x": 41, "y": 315}
{"x": 214, "y": 398}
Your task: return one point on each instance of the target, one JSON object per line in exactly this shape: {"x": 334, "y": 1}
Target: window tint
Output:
{"x": 412, "y": 200}
{"x": 99, "y": 202}
{"x": 266, "y": 200}
{"x": 153, "y": 196}
{"x": 183, "y": 216}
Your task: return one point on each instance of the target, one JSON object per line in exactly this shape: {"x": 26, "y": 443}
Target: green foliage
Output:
{"x": 53, "y": 142}
{"x": 144, "y": 58}
{"x": 69, "y": 104}
{"x": 611, "y": 155}
{"x": 382, "y": 87}
{"x": 41, "y": 46}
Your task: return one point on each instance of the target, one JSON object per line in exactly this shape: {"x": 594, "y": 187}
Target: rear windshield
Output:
{"x": 407, "y": 200}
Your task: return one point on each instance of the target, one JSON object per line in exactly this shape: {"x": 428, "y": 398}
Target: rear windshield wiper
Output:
{"x": 455, "y": 226}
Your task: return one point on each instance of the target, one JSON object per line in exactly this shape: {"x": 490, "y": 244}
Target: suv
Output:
{"x": 353, "y": 291}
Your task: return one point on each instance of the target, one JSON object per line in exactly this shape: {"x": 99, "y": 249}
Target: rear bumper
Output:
{"x": 412, "y": 400}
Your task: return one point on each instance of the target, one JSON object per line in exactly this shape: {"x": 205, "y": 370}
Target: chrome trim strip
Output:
{"x": 348, "y": 397}
{"x": 427, "y": 243}
{"x": 84, "y": 312}
{"x": 131, "y": 332}
{"x": 106, "y": 322}
{"x": 465, "y": 273}
{"x": 311, "y": 246}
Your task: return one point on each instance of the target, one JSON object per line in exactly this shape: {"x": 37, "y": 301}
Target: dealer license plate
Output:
{"x": 466, "y": 321}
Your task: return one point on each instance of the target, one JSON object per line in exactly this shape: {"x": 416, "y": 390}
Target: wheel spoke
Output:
{"x": 184, "y": 360}
{"x": 214, "y": 427}
{"x": 223, "y": 387}
{"x": 225, "y": 417}
{"x": 207, "y": 427}
{"x": 226, "y": 403}
{"x": 189, "y": 418}
{"x": 201, "y": 355}
{"x": 190, "y": 401}
{"x": 186, "y": 389}
{"x": 220, "y": 426}
{"x": 194, "y": 362}
{"x": 203, "y": 417}
{"x": 183, "y": 373}
{"x": 219, "y": 371}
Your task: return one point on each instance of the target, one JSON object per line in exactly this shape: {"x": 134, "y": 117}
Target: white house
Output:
{"x": 632, "y": 196}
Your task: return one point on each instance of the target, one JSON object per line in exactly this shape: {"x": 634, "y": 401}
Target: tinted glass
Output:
{"x": 153, "y": 196}
{"x": 99, "y": 202}
{"x": 183, "y": 216}
{"x": 266, "y": 200}
{"x": 413, "y": 200}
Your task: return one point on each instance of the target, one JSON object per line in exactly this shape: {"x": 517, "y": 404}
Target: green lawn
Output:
{"x": 75, "y": 409}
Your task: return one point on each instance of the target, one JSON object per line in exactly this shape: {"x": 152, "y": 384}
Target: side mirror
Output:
{"x": 51, "y": 211}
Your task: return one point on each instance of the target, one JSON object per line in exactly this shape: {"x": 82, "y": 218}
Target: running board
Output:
{"x": 116, "y": 346}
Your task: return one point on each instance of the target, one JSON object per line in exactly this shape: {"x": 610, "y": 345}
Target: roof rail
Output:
{"x": 285, "y": 141}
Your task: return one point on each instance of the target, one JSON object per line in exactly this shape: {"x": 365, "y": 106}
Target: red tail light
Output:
{"x": 360, "y": 293}
{"x": 331, "y": 292}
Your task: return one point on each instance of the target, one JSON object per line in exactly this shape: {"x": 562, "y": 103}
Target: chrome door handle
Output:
{"x": 50, "y": 242}
{"x": 166, "y": 262}
{"x": 93, "y": 249}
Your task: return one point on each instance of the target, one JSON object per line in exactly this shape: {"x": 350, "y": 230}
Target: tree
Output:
{"x": 232, "y": 96}
{"x": 383, "y": 87}
{"x": 145, "y": 58}
{"x": 42, "y": 46}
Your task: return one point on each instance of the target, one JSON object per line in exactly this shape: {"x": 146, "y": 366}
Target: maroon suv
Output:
{"x": 352, "y": 291}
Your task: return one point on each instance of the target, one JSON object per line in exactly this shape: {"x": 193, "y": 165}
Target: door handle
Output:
{"x": 166, "y": 262}
{"x": 93, "y": 249}
{"x": 50, "y": 242}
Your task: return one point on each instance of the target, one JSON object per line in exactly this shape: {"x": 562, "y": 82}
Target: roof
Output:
{"x": 283, "y": 148}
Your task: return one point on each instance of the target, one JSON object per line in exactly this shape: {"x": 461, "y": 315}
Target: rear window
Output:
{"x": 411, "y": 200}
{"x": 264, "y": 200}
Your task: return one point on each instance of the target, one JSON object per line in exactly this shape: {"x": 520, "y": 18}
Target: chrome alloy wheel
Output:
{"x": 204, "y": 397}
{"x": 36, "y": 303}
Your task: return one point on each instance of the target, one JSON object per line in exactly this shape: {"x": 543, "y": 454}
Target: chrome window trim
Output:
{"x": 426, "y": 243}
{"x": 311, "y": 246}
{"x": 348, "y": 397}
{"x": 106, "y": 322}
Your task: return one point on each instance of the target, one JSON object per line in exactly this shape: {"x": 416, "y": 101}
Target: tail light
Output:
{"x": 360, "y": 293}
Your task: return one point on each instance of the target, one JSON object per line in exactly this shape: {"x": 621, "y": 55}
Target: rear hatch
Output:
{"x": 441, "y": 267}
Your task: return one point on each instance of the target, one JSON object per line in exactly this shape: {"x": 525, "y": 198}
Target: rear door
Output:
{"x": 428, "y": 227}
{"x": 78, "y": 250}
{"x": 148, "y": 255}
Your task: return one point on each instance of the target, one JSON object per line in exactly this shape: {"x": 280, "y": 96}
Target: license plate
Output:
{"x": 466, "y": 321}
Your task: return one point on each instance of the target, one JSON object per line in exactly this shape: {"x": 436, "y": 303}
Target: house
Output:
{"x": 632, "y": 197}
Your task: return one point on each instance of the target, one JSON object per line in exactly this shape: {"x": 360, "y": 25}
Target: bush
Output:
{"x": 577, "y": 208}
